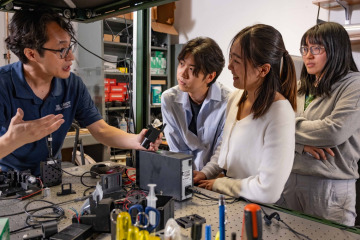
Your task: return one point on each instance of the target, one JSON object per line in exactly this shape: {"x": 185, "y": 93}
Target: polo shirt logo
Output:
{"x": 62, "y": 106}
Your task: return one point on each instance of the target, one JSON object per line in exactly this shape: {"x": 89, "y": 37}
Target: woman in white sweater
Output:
{"x": 258, "y": 143}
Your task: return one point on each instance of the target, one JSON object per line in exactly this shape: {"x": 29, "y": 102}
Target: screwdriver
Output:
{"x": 123, "y": 223}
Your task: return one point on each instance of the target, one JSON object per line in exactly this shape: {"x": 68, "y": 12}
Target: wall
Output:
{"x": 221, "y": 20}
{"x": 3, "y": 49}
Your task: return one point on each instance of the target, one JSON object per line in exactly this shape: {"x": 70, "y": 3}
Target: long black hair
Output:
{"x": 340, "y": 61}
{"x": 261, "y": 44}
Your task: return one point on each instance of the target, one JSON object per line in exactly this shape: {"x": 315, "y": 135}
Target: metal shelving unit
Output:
{"x": 121, "y": 46}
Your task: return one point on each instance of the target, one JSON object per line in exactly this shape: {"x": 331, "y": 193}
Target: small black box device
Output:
{"x": 51, "y": 173}
{"x": 171, "y": 172}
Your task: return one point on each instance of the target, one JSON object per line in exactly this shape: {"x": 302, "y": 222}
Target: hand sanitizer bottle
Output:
{"x": 131, "y": 126}
{"x": 123, "y": 124}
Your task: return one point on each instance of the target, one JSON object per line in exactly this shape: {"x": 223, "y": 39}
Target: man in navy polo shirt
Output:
{"x": 39, "y": 95}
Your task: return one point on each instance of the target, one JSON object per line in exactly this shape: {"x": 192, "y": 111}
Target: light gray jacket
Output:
{"x": 332, "y": 122}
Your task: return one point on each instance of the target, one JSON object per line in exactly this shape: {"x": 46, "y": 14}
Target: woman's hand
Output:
{"x": 207, "y": 184}
{"x": 198, "y": 176}
{"x": 318, "y": 153}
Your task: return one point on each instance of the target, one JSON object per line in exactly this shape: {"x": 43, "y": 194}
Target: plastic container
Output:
{"x": 151, "y": 202}
{"x": 123, "y": 124}
{"x": 131, "y": 126}
{"x": 156, "y": 95}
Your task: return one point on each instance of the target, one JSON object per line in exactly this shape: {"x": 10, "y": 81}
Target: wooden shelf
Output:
{"x": 116, "y": 73}
{"x": 158, "y": 82}
{"x": 159, "y": 75}
{"x": 119, "y": 20}
{"x": 327, "y": 4}
{"x": 156, "y": 106}
{"x": 116, "y": 108}
{"x": 117, "y": 44}
{"x": 159, "y": 48}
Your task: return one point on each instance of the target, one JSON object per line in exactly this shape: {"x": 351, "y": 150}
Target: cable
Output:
{"x": 8, "y": 198}
{"x": 96, "y": 54}
{"x": 35, "y": 220}
{"x": 32, "y": 194}
{"x": 210, "y": 197}
{"x": 60, "y": 203}
{"x": 23, "y": 228}
{"x": 131, "y": 176}
{"x": 85, "y": 191}
{"x": 81, "y": 179}
{"x": 267, "y": 218}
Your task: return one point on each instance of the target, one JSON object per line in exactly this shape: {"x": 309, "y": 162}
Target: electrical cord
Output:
{"x": 210, "y": 197}
{"x": 9, "y": 198}
{"x": 60, "y": 203}
{"x": 119, "y": 33}
{"x": 81, "y": 177}
{"x": 23, "y": 228}
{"x": 122, "y": 60}
{"x": 35, "y": 220}
{"x": 267, "y": 217}
{"x": 86, "y": 190}
{"x": 128, "y": 80}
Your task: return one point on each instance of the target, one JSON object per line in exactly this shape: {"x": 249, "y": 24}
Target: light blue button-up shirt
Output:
{"x": 177, "y": 114}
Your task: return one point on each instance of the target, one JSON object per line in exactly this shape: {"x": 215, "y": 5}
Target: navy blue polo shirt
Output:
{"x": 67, "y": 96}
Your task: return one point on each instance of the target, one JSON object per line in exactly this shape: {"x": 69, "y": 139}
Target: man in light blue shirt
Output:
{"x": 194, "y": 110}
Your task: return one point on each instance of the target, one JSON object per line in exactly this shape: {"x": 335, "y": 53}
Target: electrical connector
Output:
{"x": 151, "y": 135}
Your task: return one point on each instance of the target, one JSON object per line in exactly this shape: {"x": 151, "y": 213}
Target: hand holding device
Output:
{"x": 151, "y": 135}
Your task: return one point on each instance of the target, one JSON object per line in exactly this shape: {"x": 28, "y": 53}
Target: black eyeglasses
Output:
{"x": 315, "y": 50}
{"x": 64, "y": 52}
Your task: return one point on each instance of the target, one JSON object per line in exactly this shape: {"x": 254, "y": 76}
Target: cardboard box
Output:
{"x": 163, "y": 18}
{"x": 164, "y": 28}
{"x": 165, "y": 13}
{"x": 128, "y": 16}
{"x": 116, "y": 39}
{"x": 158, "y": 82}
{"x": 108, "y": 37}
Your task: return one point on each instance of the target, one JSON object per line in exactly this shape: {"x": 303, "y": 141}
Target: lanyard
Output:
{"x": 308, "y": 99}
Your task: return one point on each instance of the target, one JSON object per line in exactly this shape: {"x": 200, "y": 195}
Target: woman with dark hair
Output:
{"x": 322, "y": 182}
{"x": 258, "y": 142}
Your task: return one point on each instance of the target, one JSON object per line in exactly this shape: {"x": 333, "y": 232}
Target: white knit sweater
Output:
{"x": 257, "y": 154}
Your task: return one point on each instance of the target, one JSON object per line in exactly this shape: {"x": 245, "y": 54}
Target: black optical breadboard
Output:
{"x": 75, "y": 231}
{"x": 51, "y": 173}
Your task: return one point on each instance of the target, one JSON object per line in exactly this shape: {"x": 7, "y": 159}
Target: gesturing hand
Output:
{"x": 29, "y": 131}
